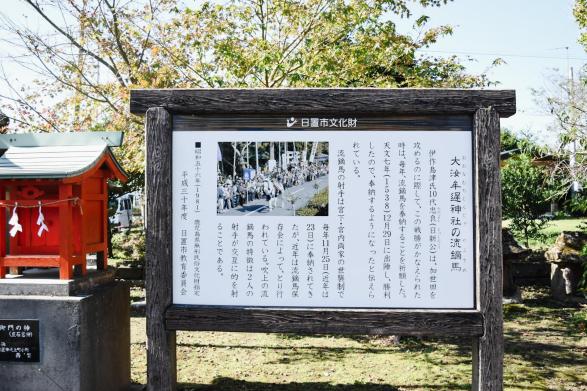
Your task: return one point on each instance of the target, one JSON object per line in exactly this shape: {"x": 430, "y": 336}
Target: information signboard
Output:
{"x": 394, "y": 228}
{"x": 370, "y": 211}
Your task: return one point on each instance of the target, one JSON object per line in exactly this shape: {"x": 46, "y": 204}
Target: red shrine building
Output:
{"x": 54, "y": 199}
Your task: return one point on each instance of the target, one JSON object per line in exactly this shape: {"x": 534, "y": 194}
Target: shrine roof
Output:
{"x": 112, "y": 139}
{"x": 56, "y": 161}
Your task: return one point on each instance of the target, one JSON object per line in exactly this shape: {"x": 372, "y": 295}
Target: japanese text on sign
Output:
{"x": 368, "y": 219}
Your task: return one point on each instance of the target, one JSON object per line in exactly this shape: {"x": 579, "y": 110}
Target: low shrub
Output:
{"x": 317, "y": 206}
{"x": 579, "y": 321}
{"x": 129, "y": 245}
{"x": 307, "y": 212}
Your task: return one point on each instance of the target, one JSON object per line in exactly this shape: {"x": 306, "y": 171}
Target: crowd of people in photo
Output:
{"x": 235, "y": 192}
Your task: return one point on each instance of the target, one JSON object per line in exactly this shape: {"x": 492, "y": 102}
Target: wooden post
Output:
{"x": 3, "y": 233}
{"x": 79, "y": 222}
{"x": 488, "y": 349}
{"x": 65, "y": 239}
{"x": 102, "y": 256}
{"x": 161, "y": 355}
{"x": 14, "y": 270}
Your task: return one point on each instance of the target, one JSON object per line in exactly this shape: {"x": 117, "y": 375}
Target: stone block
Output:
{"x": 84, "y": 341}
{"x": 46, "y": 282}
{"x": 564, "y": 279}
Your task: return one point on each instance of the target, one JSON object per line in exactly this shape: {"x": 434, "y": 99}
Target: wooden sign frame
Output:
{"x": 483, "y": 325}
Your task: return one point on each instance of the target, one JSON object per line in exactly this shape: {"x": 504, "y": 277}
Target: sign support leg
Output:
{"x": 161, "y": 354}
{"x": 488, "y": 349}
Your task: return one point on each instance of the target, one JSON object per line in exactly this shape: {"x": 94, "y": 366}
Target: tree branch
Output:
{"x": 75, "y": 43}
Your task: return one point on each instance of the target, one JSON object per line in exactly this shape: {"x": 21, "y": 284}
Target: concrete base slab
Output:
{"x": 84, "y": 341}
{"x": 46, "y": 282}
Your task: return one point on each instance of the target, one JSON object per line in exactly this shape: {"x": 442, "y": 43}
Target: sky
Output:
{"x": 529, "y": 35}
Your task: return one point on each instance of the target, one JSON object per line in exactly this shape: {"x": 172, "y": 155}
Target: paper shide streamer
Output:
{"x": 41, "y": 222}
{"x": 16, "y": 227}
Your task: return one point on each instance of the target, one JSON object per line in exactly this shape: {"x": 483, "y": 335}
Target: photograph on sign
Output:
{"x": 272, "y": 178}
{"x": 385, "y": 219}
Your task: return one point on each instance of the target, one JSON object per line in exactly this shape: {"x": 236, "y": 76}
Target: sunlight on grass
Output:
{"x": 542, "y": 352}
{"x": 551, "y": 231}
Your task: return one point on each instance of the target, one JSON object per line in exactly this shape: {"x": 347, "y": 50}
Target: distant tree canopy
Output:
{"x": 580, "y": 12}
{"x": 521, "y": 143}
{"x": 525, "y": 193}
{"x": 4, "y": 121}
{"x": 566, "y": 100}
{"x": 93, "y": 51}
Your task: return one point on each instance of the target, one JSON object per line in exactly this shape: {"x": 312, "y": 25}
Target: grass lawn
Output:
{"x": 551, "y": 231}
{"x": 542, "y": 353}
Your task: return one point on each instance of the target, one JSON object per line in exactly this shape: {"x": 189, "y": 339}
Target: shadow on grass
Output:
{"x": 271, "y": 347}
{"x": 534, "y": 311}
{"x": 406, "y": 344}
{"x": 543, "y": 354}
{"x": 229, "y": 384}
{"x": 292, "y": 354}
{"x": 461, "y": 352}
{"x": 545, "y": 341}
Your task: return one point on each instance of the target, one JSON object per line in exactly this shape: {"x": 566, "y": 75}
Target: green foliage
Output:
{"x": 577, "y": 205}
{"x": 513, "y": 311}
{"x": 580, "y": 12}
{"x": 317, "y": 206}
{"x": 258, "y": 43}
{"x": 319, "y": 200}
{"x": 129, "y": 245}
{"x": 525, "y": 194}
{"x": 316, "y": 43}
{"x": 582, "y": 284}
{"x": 579, "y": 321}
{"x": 136, "y": 180}
{"x": 4, "y": 121}
{"x": 508, "y": 140}
{"x": 561, "y": 215}
{"x": 305, "y": 211}
{"x": 523, "y": 143}
{"x": 566, "y": 101}
{"x": 549, "y": 233}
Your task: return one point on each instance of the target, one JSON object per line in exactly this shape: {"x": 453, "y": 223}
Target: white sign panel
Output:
{"x": 354, "y": 219}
